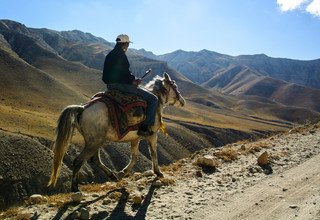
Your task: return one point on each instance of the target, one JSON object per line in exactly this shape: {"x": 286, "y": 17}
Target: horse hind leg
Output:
{"x": 97, "y": 159}
{"x": 134, "y": 151}
{"x": 88, "y": 151}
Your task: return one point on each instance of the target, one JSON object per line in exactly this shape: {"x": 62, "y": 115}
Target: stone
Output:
{"x": 75, "y": 215}
{"x": 76, "y": 197}
{"x": 84, "y": 214}
{"x": 263, "y": 159}
{"x": 37, "y": 198}
{"x": 148, "y": 173}
{"x": 206, "y": 160}
{"x": 157, "y": 183}
{"x": 95, "y": 195}
{"x": 137, "y": 198}
{"x": 293, "y": 206}
{"x": 106, "y": 201}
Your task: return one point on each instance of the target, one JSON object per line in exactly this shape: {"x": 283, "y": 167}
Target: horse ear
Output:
{"x": 166, "y": 76}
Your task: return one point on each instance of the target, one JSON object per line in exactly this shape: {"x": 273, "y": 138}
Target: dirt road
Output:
{"x": 294, "y": 194}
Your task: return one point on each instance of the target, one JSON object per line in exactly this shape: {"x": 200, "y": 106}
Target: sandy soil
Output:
{"x": 239, "y": 189}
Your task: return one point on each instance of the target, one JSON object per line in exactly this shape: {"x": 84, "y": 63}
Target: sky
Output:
{"x": 277, "y": 28}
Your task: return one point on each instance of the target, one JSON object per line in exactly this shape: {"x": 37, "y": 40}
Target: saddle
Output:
{"x": 126, "y": 111}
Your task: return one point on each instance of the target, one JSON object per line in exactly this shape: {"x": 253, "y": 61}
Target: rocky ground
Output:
{"x": 284, "y": 184}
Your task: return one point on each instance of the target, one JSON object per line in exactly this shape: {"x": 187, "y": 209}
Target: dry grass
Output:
{"x": 172, "y": 168}
{"x": 59, "y": 199}
{"x": 115, "y": 195}
{"x": 309, "y": 125}
{"x": 15, "y": 213}
{"x": 238, "y": 120}
{"x": 228, "y": 153}
{"x": 104, "y": 187}
{"x": 26, "y": 121}
{"x": 256, "y": 147}
{"x": 167, "y": 181}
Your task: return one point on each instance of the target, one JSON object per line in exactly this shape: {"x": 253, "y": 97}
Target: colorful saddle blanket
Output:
{"x": 126, "y": 111}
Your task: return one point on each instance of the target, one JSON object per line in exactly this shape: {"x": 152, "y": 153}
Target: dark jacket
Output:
{"x": 116, "y": 67}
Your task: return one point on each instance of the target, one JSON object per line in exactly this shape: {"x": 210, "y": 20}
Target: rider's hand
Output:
{"x": 136, "y": 82}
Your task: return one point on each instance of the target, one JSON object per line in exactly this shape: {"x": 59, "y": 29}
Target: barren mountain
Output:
{"x": 203, "y": 65}
{"x": 240, "y": 80}
{"x": 42, "y": 71}
{"x": 257, "y": 75}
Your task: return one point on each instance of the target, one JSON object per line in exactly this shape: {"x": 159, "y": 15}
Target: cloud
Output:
{"x": 314, "y": 8}
{"x": 310, "y": 6}
{"x": 289, "y": 5}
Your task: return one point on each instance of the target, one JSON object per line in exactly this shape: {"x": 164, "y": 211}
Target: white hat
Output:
{"x": 123, "y": 38}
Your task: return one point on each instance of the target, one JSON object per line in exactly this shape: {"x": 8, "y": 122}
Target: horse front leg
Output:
{"x": 133, "y": 160}
{"x": 152, "y": 142}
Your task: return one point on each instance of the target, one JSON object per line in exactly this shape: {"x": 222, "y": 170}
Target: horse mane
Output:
{"x": 155, "y": 84}
{"x": 156, "y": 87}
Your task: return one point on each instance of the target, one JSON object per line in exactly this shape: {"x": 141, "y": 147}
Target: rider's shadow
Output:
{"x": 119, "y": 211}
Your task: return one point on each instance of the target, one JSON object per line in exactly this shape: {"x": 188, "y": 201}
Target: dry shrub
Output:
{"x": 14, "y": 213}
{"x": 29, "y": 201}
{"x": 172, "y": 168}
{"x": 255, "y": 147}
{"x": 59, "y": 200}
{"x": 104, "y": 187}
{"x": 167, "y": 181}
{"x": 228, "y": 154}
{"x": 115, "y": 195}
{"x": 136, "y": 176}
{"x": 24, "y": 216}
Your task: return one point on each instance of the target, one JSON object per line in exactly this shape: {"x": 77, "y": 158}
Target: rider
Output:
{"x": 116, "y": 75}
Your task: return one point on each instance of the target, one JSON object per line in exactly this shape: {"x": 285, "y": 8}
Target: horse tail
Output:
{"x": 66, "y": 123}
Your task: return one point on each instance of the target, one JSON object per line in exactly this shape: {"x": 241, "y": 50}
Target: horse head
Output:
{"x": 172, "y": 95}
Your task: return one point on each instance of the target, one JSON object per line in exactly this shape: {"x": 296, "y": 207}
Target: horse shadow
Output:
{"x": 71, "y": 216}
{"x": 117, "y": 213}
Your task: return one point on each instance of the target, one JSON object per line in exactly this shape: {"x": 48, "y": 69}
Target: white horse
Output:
{"x": 95, "y": 126}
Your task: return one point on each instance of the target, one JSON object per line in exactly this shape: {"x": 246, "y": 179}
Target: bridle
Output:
{"x": 173, "y": 86}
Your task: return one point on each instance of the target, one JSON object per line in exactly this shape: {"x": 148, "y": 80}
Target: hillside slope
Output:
{"x": 239, "y": 80}
{"x": 190, "y": 191}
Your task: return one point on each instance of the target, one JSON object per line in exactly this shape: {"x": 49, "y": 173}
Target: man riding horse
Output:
{"x": 94, "y": 120}
{"x": 117, "y": 75}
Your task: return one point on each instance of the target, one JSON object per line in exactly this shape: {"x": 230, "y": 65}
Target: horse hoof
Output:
{"x": 159, "y": 174}
{"x": 120, "y": 175}
{"x": 114, "y": 176}
{"x": 75, "y": 189}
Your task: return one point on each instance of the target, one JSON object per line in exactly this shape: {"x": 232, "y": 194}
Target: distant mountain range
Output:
{"x": 203, "y": 65}
{"x": 287, "y": 81}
